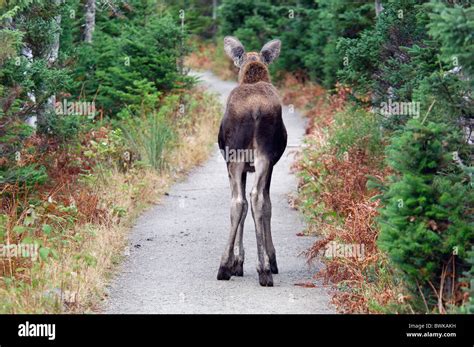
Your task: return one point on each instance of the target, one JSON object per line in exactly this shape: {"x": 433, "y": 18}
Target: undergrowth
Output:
{"x": 86, "y": 194}
{"x": 343, "y": 151}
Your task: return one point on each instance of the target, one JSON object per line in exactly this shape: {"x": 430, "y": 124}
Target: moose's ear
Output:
{"x": 271, "y": 51}
{"x": 234, "y": 49}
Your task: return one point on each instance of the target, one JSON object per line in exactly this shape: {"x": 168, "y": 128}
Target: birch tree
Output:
{"x": 90, "y": 20}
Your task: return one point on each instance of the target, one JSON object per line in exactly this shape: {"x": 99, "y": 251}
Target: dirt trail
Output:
{"x": 175, "y": 247}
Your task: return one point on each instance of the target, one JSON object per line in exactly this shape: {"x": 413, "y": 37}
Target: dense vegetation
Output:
{"x": 97, "y": 117}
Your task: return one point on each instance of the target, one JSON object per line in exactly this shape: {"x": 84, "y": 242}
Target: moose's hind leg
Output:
{"x": 270, "y": 248}
{"x": 238, "y": 268}
{"x": 261, "y": 211}
{"x": 238, "y": 209}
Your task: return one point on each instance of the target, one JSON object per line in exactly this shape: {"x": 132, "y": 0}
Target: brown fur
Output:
{"x": 255, "y": 92}
{"x": 254, "y": 72}
{"x": 250, "y": 97}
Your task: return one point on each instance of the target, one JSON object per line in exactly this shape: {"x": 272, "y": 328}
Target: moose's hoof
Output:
{"x": 224, "y": 273}
{"x": 265, "y": 278}
{"x": 273, "y": 266}
{"x": 238, "y": 268}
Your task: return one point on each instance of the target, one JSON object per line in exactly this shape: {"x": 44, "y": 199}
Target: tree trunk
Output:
{"x": 90, "y": 20}
{"x": 54, "y": 51}
{"x": 51, "y": 56}
{"x": 214, "y": 10}
{"x": 378, "y": 7}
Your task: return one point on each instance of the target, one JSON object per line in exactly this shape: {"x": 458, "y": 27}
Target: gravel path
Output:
{"x": 175, "y": 247}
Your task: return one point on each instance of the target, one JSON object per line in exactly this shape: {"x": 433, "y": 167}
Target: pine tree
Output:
{"x": 425, "y": 223}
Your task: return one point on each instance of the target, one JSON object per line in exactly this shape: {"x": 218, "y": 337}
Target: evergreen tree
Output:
{"x": 425, "y": 223}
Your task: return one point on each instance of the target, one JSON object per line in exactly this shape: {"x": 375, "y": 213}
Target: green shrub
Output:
{"x": 356, "y": 128}
{"x": 425, "y": 214}
{"x": 62, "y": 127}
{"x": 397, "y": 59}
{"x": 29, "y": 175}
{"x": 453, "y": 27}
{"x": 151, "y": 135}
{"x": 123, "y": 66}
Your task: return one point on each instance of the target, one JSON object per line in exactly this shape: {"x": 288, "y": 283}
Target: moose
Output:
{"x": 252, "y": 122}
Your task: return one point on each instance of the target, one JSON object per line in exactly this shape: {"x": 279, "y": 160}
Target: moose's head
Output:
{"x": 252, "y": 65}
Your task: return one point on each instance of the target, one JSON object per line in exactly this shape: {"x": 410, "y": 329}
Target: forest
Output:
{"x": 99, "y": 115}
